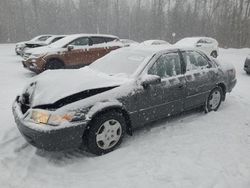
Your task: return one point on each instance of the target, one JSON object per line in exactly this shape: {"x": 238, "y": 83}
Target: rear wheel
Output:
{"x": 214, "y": 54}
{"x": 214, "y": 100}
{"x": 54, "y": 64}
{"x": 105, "y": 133}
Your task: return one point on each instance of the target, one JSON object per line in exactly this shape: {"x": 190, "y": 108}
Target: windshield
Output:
{"x": 43, "y": 38}
{"x": 61, "y": 43}
{"x": 121, "y": 61}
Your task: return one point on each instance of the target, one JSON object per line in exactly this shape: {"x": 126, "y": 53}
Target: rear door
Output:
{"x": 166, "y": 98}
{"x": 200, "y": 78}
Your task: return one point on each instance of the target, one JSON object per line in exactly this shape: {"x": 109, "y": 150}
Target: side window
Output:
{"x": 194, "y": 61}
{"x": 97, "y": 40}
{"x": 166, "y": 66}
{"x": 80, "y": 42}
{"x": 108, "y": 39}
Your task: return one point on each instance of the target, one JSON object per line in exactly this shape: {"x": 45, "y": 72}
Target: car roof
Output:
{"x": 72, "y": 37}
{"x": 151, "y": 50}
{"x": 93, "y": 35}
{"x": 150, "y": 42}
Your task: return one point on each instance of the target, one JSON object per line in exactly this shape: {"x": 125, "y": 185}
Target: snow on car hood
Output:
{"x": 43, "y": 50}
{"x": 52, "y": 86}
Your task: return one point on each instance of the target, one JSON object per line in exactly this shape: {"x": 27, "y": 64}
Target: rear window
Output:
{"x": 109, "y": 39}
{"x": 97, "y": 40}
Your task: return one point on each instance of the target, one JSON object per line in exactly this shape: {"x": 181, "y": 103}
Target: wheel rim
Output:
{"x": 214, "y": 54}
{"x": 214, "y": 100}
{"x": 109, "y": 134}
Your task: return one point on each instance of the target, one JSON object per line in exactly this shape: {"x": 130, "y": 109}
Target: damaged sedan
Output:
{"x": 95, "y": 106}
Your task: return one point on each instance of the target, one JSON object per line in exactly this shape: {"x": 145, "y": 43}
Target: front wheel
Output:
{"x": 105, "y": 133}
{"x": 214, "y": 54}
{"x": 214, "y": 100}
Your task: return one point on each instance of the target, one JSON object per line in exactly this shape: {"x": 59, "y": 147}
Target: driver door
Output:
{"x": 79, "y": 54}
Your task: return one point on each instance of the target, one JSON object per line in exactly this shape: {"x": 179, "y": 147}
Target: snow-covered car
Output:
{"x": 73, "y": 51}
{"x": 206, "y": 44}
{"x": 35, "y": 44}
{"x": 247, "y": 65}
{"x": 96, "y": 105}
{"x": 128, "y": 42}
{"x": 22, "y": 45}
{"x": 155, "y": 42}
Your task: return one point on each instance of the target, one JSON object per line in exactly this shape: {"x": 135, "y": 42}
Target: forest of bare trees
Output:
{"x": 226, "y": 20}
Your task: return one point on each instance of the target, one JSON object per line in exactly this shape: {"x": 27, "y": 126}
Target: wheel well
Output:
{"x": 223, "y": 87}
{"x": 53, "y": 59}
{"x": 119, "y": 110}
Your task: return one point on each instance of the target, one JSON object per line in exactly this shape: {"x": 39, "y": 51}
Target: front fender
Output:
{"x": 103, "y": 106}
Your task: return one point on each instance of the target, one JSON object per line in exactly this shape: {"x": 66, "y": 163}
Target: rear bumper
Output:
{"x": 48, "y": 139}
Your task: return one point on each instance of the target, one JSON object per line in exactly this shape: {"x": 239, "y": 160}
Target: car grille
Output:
{"x": 25, "y": 102}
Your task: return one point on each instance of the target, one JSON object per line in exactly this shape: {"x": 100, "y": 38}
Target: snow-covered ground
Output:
{"x": 195, "y": 150}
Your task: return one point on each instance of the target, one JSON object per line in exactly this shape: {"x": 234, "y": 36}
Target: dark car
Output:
{"x": 247, "y": 65}
{"x": 96, "y": 105}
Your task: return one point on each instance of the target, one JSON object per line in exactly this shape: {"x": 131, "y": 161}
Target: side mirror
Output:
{"x": 70, "y": 47}
{"x": 198, "y": 45}
{"x": 150, "y": 80}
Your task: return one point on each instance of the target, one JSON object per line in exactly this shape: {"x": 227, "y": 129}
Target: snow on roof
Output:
{"x": 151, "y": 49}
{"x": 155, "y": 42}
{"x": 188, "y": 41}
{"x": 47, "y": 41}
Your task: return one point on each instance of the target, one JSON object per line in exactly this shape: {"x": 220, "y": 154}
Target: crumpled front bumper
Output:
{"x": 48, "y": 139}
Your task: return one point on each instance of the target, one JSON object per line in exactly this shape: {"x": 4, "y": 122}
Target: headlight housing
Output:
{"x": 50, "y": 118}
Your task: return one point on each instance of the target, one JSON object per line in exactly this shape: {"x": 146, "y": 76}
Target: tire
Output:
{"x": 214, "y": 100}
{"x": 105, "y": 133}
{"x": 54, "y": 64}
{"x": 214, "y": 54}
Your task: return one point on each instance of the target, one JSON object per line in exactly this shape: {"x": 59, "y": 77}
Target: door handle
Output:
{"x": 181, "y": 86}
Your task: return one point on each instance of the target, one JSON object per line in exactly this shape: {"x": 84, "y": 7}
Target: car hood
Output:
{"x": 43, "y": 50}
{"x": 52, "y": 86}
